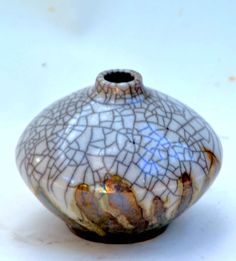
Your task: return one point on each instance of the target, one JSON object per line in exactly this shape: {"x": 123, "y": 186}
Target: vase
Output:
{"x": 118, "y": 161}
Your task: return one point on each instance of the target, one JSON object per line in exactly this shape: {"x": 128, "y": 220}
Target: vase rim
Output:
{"x": 119, "y": 80}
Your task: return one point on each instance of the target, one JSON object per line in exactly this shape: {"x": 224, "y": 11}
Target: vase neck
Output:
{"x": 118, "y": 86}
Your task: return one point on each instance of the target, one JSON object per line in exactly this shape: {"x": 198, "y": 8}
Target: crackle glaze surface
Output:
{"x": 118, "y": 157}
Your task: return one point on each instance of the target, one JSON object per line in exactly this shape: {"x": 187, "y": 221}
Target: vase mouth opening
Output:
{"x": 118, "y": 77}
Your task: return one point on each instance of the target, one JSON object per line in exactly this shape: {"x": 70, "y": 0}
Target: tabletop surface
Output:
{"x": 49, "y": 49}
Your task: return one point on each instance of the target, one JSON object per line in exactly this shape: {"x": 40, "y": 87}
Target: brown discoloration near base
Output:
{"x": 112, "y": 207}
{"x": 158, "y": 211}
{"x": 187, "y": 193}
{"x": 91, "y": 207}
{"x": 87, "y": 203}
{"x": 121, "y": 197}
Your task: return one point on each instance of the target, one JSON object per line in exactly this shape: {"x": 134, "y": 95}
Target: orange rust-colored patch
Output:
{"x": 115, "y": 184}
{"x": 83, "y": 187}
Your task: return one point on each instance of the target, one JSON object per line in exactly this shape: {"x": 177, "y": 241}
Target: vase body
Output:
{"x": 118, "y": 161}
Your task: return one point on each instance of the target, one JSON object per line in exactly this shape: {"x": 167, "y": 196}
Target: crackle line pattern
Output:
{"x": 165, "y": 151}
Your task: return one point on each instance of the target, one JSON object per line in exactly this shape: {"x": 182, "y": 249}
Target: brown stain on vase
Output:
{"x": 91, "y": 207}
{"x": 158, "y": 211}
{"x": 213, "y": 168}
{"x": 187, "y": 192}
{"x": 121, "y": 197}
{"x": 114, "y": 209}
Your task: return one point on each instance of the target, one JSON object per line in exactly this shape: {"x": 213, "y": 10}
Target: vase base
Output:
{"x": 119, "y": 238}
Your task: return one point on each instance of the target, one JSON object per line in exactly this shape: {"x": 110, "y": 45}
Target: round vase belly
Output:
{"x": 118, "y": 161}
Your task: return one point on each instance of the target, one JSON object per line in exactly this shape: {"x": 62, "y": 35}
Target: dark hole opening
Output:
{"x": 118, "y": 77}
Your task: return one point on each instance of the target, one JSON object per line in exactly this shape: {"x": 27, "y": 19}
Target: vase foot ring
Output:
{"x": 119, "y": 238}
